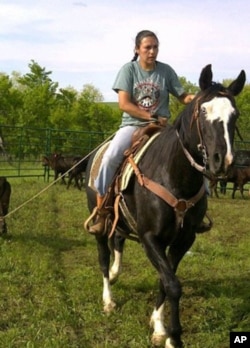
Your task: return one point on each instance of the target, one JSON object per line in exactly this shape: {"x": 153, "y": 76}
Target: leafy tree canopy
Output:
{"x": 35, "y": 100}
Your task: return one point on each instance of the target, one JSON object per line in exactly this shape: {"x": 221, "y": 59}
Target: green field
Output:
{"x": 51, "y": 285}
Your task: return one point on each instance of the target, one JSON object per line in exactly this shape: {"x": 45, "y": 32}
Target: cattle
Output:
{"x": 5, "y": 192}
{"x": 63, "y": 164}
{"x": 78, "y": 172}
{"x": 239, "y": 177}
{"x": 59, "y": 167}
{"x": 242, "y": 158}
{"x": 213, "y": 186}
{"x": 241, "y": 161}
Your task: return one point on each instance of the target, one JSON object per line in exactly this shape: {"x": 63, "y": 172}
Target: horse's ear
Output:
{"x": 206, "y": 76}
{"x": 237, "y": 85}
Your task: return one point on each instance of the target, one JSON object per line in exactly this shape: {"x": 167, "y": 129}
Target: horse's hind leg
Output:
{"x": 241, "y": 188}
{"x": 235, "y": 186}
{"x": 104, "y": 262}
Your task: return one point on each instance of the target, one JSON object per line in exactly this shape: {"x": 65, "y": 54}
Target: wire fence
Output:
{"x": 22, "y": 149}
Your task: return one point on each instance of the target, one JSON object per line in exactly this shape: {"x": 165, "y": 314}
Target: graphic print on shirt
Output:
{"x": 146, "y": 95}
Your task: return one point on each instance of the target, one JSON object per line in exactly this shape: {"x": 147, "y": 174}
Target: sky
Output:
{"x": 87, "y": 41}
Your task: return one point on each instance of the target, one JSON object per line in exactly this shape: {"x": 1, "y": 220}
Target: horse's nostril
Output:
{"x": 217, "y": 158}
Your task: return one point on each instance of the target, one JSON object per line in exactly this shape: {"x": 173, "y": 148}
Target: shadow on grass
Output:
{"x": 229, "y": 296}
{"x": 54, "y": 242}
{"x": 233, "y": 291}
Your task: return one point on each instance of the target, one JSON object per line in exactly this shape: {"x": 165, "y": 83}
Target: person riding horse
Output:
{"x": 143, "y": 88}
{"x": 165, "y": 201}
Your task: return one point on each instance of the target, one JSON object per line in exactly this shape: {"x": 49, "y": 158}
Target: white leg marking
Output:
{"x": 157, "y": 323}
{"x": 108, "y": 302}
{"x": 116, "y": 268}
{"x": 168, "y": 344}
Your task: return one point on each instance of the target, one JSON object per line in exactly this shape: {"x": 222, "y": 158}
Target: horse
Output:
{"x": 198, "y": 144}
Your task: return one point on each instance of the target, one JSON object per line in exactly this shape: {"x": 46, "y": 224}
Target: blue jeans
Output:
{"x": 113, "y": 158}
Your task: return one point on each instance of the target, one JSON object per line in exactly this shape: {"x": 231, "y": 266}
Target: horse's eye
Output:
{"x": 203, "y": 110}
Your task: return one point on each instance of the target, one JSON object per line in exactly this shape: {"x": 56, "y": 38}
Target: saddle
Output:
{"x": 142, "y": 138}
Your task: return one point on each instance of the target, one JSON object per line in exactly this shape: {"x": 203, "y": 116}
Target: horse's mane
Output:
{"x": 162, "y": 150}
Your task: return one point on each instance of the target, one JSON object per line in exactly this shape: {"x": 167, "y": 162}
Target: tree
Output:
{"x": 243, "y": 104}
{"x": 10, "y": 101}
{"x": 91, "y": 94}
{"x": 39, "y": 97}
{"x": 92, "y": 114}
{"x": 63, "y": 116}
{"x": 175, "y": 106}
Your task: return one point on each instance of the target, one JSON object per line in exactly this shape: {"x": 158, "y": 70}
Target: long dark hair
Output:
{"x": 138, "y": 39}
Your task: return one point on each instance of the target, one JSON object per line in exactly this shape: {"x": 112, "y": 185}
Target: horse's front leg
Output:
{"x": 108, "y": 302}
{"x": 116, "y": 268}
{"x": 157, "y": 319}
{"x": 169, "y": 287}
{"x": 104, "y": 262}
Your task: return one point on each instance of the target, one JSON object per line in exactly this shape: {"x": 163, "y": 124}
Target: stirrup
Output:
{"x": 86, "y": 224}
{"x": 107, "y": 219}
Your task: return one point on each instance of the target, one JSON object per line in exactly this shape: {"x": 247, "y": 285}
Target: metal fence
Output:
{"x": 22, "y": 149}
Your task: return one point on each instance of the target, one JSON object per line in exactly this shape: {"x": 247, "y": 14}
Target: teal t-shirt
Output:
{"x": 148, "y": 89}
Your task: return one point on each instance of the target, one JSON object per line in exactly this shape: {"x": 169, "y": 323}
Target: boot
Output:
{"x": 100, "y": 216}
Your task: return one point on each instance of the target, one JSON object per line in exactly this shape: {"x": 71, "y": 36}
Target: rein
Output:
{"x": 181, "y": 206}
{"x": 190, "y": 158}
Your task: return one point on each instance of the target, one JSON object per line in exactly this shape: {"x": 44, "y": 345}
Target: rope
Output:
{"x": 51, "y": 184}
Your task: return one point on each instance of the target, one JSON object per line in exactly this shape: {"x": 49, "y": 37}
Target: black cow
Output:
{"x": 5, "y": 192}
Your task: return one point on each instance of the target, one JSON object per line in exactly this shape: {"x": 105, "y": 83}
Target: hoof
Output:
{"x": 109, "y": 307}
{"x": 158, "y": 340}
{"x": 168, "y": 344}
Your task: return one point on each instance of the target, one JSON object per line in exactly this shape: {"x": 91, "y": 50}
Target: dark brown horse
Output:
{"x": 5, "y": 193}
{"x": 238, "y": 174}
{"x": 199, "y": 143}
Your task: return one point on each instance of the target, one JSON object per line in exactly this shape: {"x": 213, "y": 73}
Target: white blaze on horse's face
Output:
{"x": 221, "y": 110}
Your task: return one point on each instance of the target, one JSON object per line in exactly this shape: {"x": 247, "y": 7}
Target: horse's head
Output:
{"x": 216, "y": 114}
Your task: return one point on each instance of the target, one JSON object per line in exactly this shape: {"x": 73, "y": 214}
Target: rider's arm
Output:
{"x": 126, "y": 105}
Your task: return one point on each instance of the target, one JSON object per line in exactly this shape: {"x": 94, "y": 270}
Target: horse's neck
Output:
{"x": 183, "y": 173}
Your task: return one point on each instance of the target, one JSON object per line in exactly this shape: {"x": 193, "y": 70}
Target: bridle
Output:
{"x": 202, "y": 148}
{"x": 201, "y": 145}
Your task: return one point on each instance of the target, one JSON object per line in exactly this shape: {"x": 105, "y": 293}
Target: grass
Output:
{"x": 51, "y": 285}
